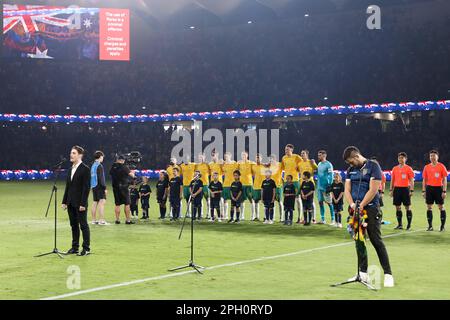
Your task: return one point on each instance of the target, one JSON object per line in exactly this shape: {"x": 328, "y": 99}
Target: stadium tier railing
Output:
{"x": 233, "y": 114}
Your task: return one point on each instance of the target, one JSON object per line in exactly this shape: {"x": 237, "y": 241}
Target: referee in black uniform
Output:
{"x": 75, "y": 200}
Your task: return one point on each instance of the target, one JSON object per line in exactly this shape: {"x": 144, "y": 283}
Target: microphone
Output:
{"x": 59, "y": 164}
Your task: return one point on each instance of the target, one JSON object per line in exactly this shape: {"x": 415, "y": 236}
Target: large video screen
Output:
{"x": 54, "y": 32}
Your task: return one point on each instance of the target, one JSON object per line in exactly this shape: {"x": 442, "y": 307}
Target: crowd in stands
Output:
{"x": 284, "y": 62}
{"x": 29, "y": 146}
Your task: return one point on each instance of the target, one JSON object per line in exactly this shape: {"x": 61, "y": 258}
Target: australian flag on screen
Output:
{"x": 50, "y": 32}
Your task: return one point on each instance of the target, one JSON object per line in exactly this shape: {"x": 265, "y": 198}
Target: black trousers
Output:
{"x": 78, "y": 221}
{"x": 175, "y": 204}
{"x": 374, "y": 232}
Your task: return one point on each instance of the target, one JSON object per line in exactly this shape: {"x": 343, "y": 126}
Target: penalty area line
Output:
{"x": 232, "y": 264}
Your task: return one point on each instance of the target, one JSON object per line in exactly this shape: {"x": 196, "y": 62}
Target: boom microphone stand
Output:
{"x": 54, "y": 196}
{"x": 191, "y": 263}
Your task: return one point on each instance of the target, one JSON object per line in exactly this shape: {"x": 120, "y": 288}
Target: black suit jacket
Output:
{"x": 77, "y": 189}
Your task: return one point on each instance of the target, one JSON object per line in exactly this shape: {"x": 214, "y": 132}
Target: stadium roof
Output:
{"x": 218, "y": 12}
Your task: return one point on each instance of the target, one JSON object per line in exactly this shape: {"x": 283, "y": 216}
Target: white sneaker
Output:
{"x": 388, "y": 281}
{"x": 103, "y": 223}
{"x": 363, "y": 275}
{"x": 94, "y": 222}
{"x": 271, "y": 222}
{"x": 339, "y": 225}
{"x": 332, "y": 223}
{"x": 266, "y": 222}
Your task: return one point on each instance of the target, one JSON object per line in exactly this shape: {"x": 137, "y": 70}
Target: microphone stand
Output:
{"x": 358, "y": 276}
{"x": 191, "y": 263}
{"x": 54, "y": 196}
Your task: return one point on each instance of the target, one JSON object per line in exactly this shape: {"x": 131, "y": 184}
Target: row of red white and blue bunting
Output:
{"x": 233, "y": 114}
{"x": 12, "y": 175}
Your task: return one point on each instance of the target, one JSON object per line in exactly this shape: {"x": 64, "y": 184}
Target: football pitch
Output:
{"x": 245, "y": 261}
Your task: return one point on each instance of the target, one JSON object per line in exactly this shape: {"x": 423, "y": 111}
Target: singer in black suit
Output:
{"x": 76, "y": 199}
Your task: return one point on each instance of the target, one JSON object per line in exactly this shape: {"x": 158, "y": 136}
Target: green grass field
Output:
{"x": 248, "y": 261}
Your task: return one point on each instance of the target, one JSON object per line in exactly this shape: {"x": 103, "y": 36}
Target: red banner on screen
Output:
{"x": 114, "y": 37}
{"x": 59, "y": 32}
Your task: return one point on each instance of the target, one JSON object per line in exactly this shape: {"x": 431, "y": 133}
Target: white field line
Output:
{"x": 232, "y": 264}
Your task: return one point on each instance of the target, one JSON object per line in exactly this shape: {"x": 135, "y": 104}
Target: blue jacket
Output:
{"x": 97, "y": 175}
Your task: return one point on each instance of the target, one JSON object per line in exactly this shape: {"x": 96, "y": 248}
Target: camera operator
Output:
{"x": 120, "y": 174}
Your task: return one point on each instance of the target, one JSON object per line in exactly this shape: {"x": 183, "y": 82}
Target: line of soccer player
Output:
{"x": 226, "y": 186}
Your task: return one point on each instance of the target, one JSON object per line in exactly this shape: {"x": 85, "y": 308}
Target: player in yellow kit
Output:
{"x": 187, "y": 171}
{"x": 258, "y": 171}
{"x": 228, "y": 168}
{"x": 245, "y": 167}
{"x": 277, "y": 176}
{"x": 172, "y": 165}
{"x": 203, "y": 168}
{"x": 307, "y": 165}
{"x": 290, "y": 165}
{"x": 216, "y": 166}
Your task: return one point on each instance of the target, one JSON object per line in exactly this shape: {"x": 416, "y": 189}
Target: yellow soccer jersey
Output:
{"x": 258, "y": 171}
{"x": 307, "y": 166}
{"x": 204, "y": 171}
{"x": 187, "y": 171}
{"x": 277, "y": 173}
{"x": 216, "y": 167}
{"x": 290, "y": 166}
{"x": 228, "y": 169}
{"x": 246, "y": 172}
{"x": 170, "y": 170}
